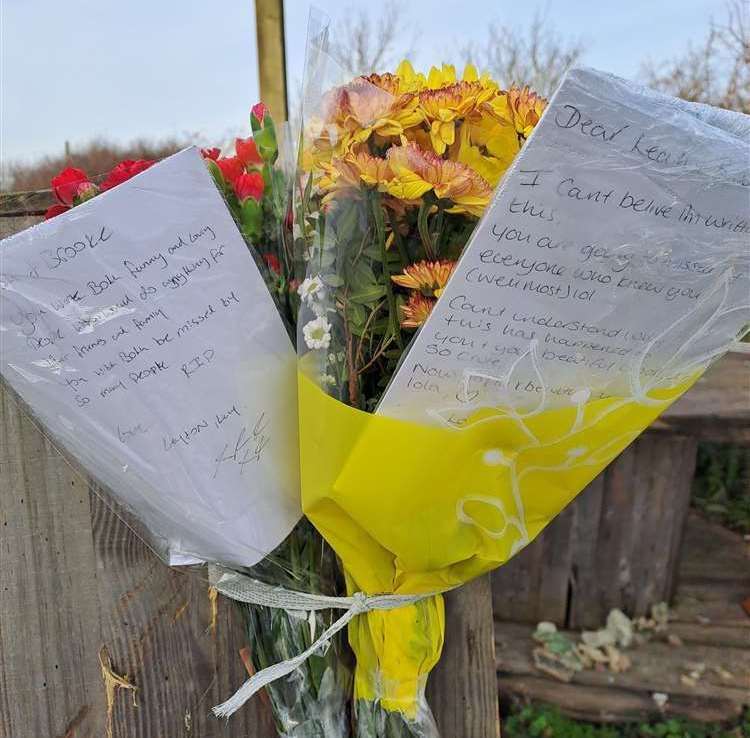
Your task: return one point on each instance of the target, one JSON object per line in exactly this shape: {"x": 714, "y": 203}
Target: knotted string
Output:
{"x": 245, "y": 589}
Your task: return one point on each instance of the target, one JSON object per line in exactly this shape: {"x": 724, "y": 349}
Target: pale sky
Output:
{"x": 82, "y": 69}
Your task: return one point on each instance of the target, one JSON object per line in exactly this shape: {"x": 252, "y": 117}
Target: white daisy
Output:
{"x": 311, "y": 290}
{"x": 317, "y": 333}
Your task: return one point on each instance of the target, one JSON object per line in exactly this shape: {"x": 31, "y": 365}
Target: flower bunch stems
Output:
{"x": 372, "y": 721}
{"x": 312, "y": 702}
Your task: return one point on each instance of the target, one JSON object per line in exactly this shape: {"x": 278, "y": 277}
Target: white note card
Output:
{"x": 614, "y": 258}
{"x": 140, "y": 332}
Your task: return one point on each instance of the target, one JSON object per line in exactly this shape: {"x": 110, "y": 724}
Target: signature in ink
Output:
{"x": 248, "y": 447}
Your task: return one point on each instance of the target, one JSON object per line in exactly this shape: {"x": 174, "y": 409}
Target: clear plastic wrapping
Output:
{"x": 472, "y": 357}
{"x": 142, "y": 326}
{"x": 115, "y": 313}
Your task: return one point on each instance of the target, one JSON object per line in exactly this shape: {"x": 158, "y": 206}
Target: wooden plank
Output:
{"x": 514, "y": 585}
{"x": 555, "y": 571}
{"x": 713, "y": 553}
{"x": 717, "y": 408}
{"x": 17, "y": 204}
{"x": 614, "y": 583}
{"x": 584, "y": 575}
{"x": 712, "y": 634}
{"x": 462, "y": 690}
{"x": 74, "y": 579}
{"x": 714, "y": 576}
{"x": 156, "y": 624}
{"x": 605, "y": 704}
{"x": 49, "y": 614}
{"x": 707, "y": 617}
{"x": 685, "y": 473}
{"x": 656, "y": 666}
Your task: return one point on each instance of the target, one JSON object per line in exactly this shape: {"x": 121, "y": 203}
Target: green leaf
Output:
{"x": 356, "y": 315}
{"x": 347, "y": 225}
{"x": 361, "y": 277}
{"x": 333, "y": 280}
{"x": 368, "y": 295}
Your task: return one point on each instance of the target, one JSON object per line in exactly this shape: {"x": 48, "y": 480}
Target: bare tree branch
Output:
{"x": 717, "y": 71}
{"x": 363, "y": 44}
{"x": 536, "y": 56}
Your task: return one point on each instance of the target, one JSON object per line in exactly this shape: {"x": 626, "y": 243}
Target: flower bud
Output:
{"x": 249, "y": 185}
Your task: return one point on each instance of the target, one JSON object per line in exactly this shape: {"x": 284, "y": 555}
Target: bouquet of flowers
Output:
{"x": 395, "y": 173}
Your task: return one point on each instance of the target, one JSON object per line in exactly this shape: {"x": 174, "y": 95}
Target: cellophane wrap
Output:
{"x": 419, "y": 493}
{"x": 313, "y": 701}
{"x": 180, "y": 514}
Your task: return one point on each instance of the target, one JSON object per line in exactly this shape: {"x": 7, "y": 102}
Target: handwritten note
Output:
{"x": 614, "y": 258}
{"x": 140, "y": 332}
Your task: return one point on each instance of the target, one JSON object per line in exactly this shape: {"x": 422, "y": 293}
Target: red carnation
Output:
{"x": 124, "y": 171}
{"x": 259, "y": 110}
{"x": 212, "y": 153}
{"x": 66, "y": 184}
{"x": 273, "y": 263}
{"x": 55, "y": 210}
{"x": 247, "y": 151}
{"x": 231, "y": 168}
{"x": 249, "y": 185}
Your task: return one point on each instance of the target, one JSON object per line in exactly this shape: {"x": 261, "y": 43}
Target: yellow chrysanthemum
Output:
{"x": 416, "y": 171}
{"x": 391, "y": 83}
{"x": 442, "y": 107}
{"x": 324, "y": 143}
{"x": 527, "y": 108}
{"x": 409, "y": 80}
{"x": 520, "y": 106}
{"x": 428, "y": 277}
{"x": 485, "y": 80}
{"x": 445, "y": 75}
{"x": 488, "y": 147}
{"x": 437, "y": 133}
{"x": 416, "y": 310}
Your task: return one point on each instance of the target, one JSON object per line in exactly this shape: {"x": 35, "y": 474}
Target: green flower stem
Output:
{"x": 312, "y": 702}
{"x": 424, "y": 229}
{"x": 439, "y": 230}
{"x": 402, "y": 252}
{"x": 377, "y": 212}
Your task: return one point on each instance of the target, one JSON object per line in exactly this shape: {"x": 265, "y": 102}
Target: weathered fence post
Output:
{"x": 463, "y": 689}
{"x": 269, "y": 29}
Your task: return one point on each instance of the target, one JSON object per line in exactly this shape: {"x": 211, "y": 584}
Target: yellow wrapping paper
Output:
{"x": 415, "y": 509}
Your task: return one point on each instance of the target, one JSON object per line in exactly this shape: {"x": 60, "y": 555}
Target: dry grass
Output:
{"x": 95, "y": 158}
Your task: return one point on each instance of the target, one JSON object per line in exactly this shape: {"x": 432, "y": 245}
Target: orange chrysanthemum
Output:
{"x": 416, "y": 171}
{"x": 526, "y": 108}
{"x": 428, "y": 277}
{"x": 344, "y": 174}
{"x": 362, "y": 108}
{"x": 416, "y": 310}
{"x": 388, "y": 82}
